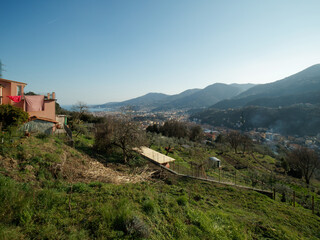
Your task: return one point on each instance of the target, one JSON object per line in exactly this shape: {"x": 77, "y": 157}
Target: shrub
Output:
{"x": 182, "y": 201}
{"x": 149, "y": 207}
{"x": 11, "y": 116}
{"x": 137, "y": 228}
{"x": 80, "y": 188}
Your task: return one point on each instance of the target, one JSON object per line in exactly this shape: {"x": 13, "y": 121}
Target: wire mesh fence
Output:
{"x": 218, "y": 174}
{"x": 239, "y": 178}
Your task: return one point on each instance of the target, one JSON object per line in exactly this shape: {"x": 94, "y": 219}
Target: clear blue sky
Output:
{"x": 98, "y": 51}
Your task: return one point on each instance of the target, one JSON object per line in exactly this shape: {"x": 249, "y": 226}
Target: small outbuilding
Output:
{"x": 214, "y": 162}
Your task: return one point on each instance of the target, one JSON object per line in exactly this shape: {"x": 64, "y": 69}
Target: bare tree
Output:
{"x": 306, "y": 160}
{"x": 234, "y": 139}
{"x": 119, "y": 132}
{"x": 80, "y": 108}
{"x": 246, "y": 143}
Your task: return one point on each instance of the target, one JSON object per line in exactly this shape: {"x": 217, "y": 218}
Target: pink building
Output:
{"x": 36, "y": 106}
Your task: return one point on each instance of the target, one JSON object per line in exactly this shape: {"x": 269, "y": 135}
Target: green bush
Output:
{"x": 182, "y": 200}
{"x": 11, "y": 116}
{"x": 149, "y": 207}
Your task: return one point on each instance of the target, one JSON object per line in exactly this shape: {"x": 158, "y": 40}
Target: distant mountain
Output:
{"x": 192, "y": 98}
{"x": 302, "y": 87}
{"x": 145, "y": 100}
{"x": 203, "y": 98}
{"x": 243, "y": 87}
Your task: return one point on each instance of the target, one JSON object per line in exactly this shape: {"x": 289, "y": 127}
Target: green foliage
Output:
{"x": 11, "y": 116}
{"x": 149, "y": 207}
{"x": 47, "y": 207}
{"x": 182, "y": 200}
{"x": 174, "y": 128}
{"x": 106, "y": 211}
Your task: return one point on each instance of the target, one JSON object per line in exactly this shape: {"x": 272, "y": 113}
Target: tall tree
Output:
{"x": 196, "y": 133}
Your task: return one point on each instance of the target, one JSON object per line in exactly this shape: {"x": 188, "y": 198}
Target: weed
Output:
{"x": 182, "y": 201}
{"x": 42, "y": 136}
{"x": 149, "y": 207}
{"x": 80, "y": 188}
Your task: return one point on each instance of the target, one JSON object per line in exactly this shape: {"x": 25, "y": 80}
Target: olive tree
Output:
{"x": 121, "y": 133}
{"x": 305, "y": 160}
{"x": 234, "y": 139}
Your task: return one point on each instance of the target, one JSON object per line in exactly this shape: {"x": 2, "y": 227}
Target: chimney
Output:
{"x": 53, "y": 95}
{"x": 48, "y": 96}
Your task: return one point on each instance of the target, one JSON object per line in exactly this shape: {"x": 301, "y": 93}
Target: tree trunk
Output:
{"x": 125, "y": 157}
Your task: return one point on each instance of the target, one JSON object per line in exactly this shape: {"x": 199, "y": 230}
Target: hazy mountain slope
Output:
{"x": 203, "y": 98}
{"x": 144, "y": 100}
{"x": 304, "y": 82}
{"x": 207, "y": 96}
{"x": 191, "y": 98}
{"x": 184, "y": 94}
{"x": 243, "y": 87}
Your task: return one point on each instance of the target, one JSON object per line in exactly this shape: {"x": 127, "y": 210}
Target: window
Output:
{"x": 19, "y": 90}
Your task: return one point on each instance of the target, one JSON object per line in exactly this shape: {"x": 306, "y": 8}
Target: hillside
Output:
{"x": 203, "y": 98}
{"x": 302, "y": 120}
{"x": 47, "y": 193}
{"x": 144, "y": 100}
{"x": 191, "y": 98}
{"x": 280, "y": 93}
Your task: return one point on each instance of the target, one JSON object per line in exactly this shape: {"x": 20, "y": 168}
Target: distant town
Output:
{"x": 260, "y": 135}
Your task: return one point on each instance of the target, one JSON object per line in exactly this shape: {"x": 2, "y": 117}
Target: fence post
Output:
{"x": 235, "y": 177}
{"x": 219, "y": 174}
{"x": 294, "y": 198}
{"x": 274, "y": 194}
{"x": 312, "y": 204}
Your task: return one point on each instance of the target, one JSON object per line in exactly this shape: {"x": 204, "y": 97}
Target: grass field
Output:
{"x": 40, "y": 201}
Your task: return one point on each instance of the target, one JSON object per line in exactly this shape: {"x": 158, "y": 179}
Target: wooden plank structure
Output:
{"x": 155, "y": 156}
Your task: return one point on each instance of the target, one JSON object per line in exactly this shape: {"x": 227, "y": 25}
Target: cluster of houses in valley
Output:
{"x": 270, "y": 138}
{"x": 40, "y": 108}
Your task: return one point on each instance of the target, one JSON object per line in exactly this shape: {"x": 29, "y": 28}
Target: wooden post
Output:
{"x": 235, "y": 177}
{"x": 294, "y": 198}
{"x": 312, "y": 204}
{"x": 274, "y": 194}
{"x": 219, "y": 174}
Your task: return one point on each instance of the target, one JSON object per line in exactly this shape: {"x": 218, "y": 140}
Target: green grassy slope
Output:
{"x": 51, "y": 206}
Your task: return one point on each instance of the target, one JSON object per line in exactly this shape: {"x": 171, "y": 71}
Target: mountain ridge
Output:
{"x": 190, "y": 98}
{"x": 305, "y": 82}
